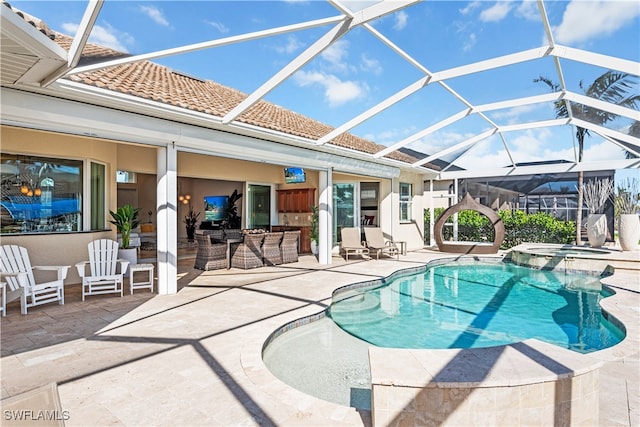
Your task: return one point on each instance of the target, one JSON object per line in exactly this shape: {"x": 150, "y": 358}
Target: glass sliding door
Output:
{"x": 259, "y": 206}
{"x": 345, "y": 208}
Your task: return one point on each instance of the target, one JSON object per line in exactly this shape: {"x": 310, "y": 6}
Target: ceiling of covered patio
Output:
{"x": 443, "y": 81}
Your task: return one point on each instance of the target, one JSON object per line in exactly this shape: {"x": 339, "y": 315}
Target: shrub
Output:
{"x": 519, "y": 227}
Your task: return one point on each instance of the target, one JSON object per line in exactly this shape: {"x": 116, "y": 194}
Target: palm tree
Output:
{"x": 613, "y": 87}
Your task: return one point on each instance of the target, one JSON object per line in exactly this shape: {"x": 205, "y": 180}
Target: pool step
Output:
{"x": 363, "y": 309}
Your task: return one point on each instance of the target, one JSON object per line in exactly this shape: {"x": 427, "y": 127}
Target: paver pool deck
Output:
{"x": 194, "y": 358}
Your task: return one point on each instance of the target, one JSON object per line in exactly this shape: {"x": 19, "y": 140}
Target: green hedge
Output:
{"x": 519, "y": 227}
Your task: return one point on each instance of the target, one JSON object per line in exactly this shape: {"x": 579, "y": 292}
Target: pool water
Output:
{"x": 479, "y": 305}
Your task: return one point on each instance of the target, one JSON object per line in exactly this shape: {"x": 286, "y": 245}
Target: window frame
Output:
{"x": 405, "y": 203}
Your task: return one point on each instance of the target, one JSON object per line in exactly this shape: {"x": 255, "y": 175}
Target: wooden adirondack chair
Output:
{"x": 104, "y": 277}
{"x": 17, "y": 271}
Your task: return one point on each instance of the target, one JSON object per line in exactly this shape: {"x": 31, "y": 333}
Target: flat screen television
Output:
{"x": 215, "y": 208}
{"x": 294, "y": 175}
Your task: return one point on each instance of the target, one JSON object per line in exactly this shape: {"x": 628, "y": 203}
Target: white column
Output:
{"x": 167, "y": 219}
{"x": 325, "y": 217}
{"x": 455, "y": 215}
{"x": 432, "y": 215}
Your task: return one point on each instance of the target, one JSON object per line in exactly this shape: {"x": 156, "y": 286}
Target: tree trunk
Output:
{"x": 579, "y": 209}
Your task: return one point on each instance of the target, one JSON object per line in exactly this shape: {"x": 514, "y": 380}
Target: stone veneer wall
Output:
{"x": 527, "y": 383}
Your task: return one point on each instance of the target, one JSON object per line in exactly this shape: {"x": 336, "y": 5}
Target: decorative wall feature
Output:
{"x": 467, "y": 203}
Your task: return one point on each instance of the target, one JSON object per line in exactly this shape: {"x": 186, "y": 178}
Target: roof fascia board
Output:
{"x": 542, "y": 169}
{"x": 137, "y": 105}
{"x": 30, "y": 110}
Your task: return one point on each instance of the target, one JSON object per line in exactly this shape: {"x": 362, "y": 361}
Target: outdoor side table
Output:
{"x": 141, "y": 268}
{"x": 403, "y": 246}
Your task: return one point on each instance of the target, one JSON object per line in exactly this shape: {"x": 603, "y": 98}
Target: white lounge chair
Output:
{"x": 104, "y": 277}
{"x": 378, "y": 244}
{"x": 351, "y": 243}
{"x": 17, "y": 272}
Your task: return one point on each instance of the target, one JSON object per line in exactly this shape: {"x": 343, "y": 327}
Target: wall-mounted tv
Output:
{"x": 294, "y": 175}
{"x": 215, "y": 208}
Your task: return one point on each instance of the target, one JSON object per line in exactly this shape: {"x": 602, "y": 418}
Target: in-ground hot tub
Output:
{"x": 600, "y": 261}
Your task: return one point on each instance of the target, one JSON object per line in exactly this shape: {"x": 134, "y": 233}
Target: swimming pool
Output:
{"x": 471, "y": 305}
{"x": 318, "y": 357}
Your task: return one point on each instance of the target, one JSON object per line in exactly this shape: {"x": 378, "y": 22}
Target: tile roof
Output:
{"x": 149, "y": 80}
{"x": 37, "y": 23}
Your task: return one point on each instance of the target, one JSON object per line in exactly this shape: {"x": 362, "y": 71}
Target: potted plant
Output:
{"x": 125, "y": 218}
{"x": 313, "y": 233}
{"x": 190, "y": 220}
{"x": 596, "y": 193}
{"x": 232, "y": 220}
{"x": 627, "y": 206}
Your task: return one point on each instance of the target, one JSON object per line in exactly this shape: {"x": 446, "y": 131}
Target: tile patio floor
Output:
{"x": 194, "y": 358}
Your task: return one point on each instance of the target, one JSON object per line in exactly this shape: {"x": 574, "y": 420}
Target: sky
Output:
{"x": 359, "y": 70}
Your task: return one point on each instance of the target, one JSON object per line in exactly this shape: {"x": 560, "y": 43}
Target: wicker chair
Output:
{"x": 271, "y": 248}
{"x": 216, "y": 235}
{"x": 289, "y": 246}
{"x": 232, "y": 233}
{"x": 210, "y": 256}
{"x": 247, "y": 254}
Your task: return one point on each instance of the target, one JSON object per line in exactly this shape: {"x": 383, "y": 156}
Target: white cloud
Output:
{"x": 218, "y": 26}
{"x": 495, "y": 13}
{"x": 400, "y": 19}
{"x": 536, "y": 145}
{"x": 470, "y": 7}
{"x": 292, "y": 45}
{"x": 583, "y": 20}
{"x": 515, "y": 114}
{"x": 336, "y": 56}
{"x": 528, "y": 10}
{"x": 469, "y": 43}
{"x": 155, "y": 14}
{"x": 370, "y": 65}
{"x": 106, "y": 36}
{"x": 336, "y": 91}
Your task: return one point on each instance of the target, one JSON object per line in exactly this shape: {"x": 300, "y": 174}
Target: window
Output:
{"x": 40, "y": 194}
{"x": 405, "y": 202}
{"x": 98, "y": 196}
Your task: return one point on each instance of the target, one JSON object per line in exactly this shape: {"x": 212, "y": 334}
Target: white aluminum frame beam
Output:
{"x": 349, "y": 22}
{"x": 209, "y": 44}
{"x": 79, "y": 41}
